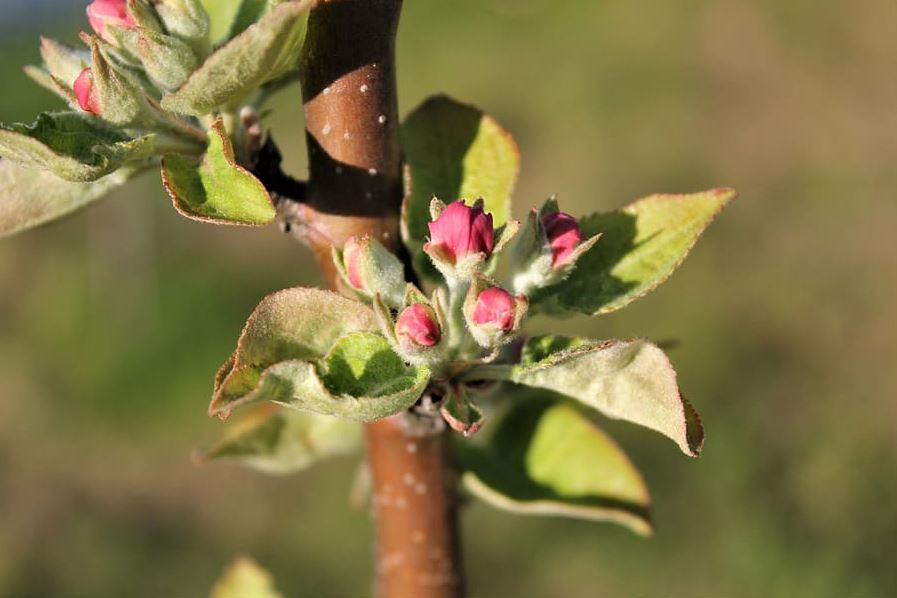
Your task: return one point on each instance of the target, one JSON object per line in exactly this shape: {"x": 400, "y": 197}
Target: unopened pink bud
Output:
{"x": 495, "y": 307}
{"x": 352, "y": 261}
{"x": 462, "y": 230}
{"x": 85, "y": 92}
{"x": 416, "y": 327}
{"x": 109, "y": 12}
{"x": 563, "y": 234}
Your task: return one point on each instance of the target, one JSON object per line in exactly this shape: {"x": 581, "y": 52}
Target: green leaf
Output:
{"x": 545, "y": 458}
{"x": 455, "y": 151}
{"x": 631, "y": 380}
{"x": 362, "y": 379}
{"x": 217, "y": 189}
{"x": 263, "y": 52}
{"x": 283, "y": 441}
{"x": 75, "y": 146}
{"x": 30, "y": 197}
{"x": 642, "y": 245}
{"x": 300, "y": 348}
{"x": 245, "y": 579}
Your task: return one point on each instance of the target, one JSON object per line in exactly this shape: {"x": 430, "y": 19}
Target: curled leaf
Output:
{"x": 74, "y": 146}
{"x": 216, "y": 189}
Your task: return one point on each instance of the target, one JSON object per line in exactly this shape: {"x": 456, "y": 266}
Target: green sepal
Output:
{"x": 62, "y": 61}
{"x": 280, "y": 441}
{"x": 263, "y": 52}
{"x": 641, "y": 246}
{"x": 381, "y": 272}
{"x": 73, "y": 145}
{"x": 631, "y": 380}
{"x": 216, "y": 189}
{"x": 167, "y": 60}
{"x": 453, "y": 151}
{"x": 122, "y": 99}
{"x": 546, "y": 458}
{"x": 186, "y": 19}
{"x": 30, "y": 197}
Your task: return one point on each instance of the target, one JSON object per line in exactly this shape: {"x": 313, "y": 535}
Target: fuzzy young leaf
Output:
{"x": 31, "y": 197}
{"x": 642, "y": 244}
{"x": 455, "y": 151}
{"x": 263, "y": 52}
{"x": 245, "y": 579}
{"x": 361, "y": 379}
{"x": 75, "y": 146}
{"x": 631, "y": 380}
{"x": 546, "y": 458}
{"x": 217, "y": 189}
{"x": 282, "y": 441}
{"x": 290, "y": 330}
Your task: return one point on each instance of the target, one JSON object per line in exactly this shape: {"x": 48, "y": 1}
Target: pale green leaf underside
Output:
{"x": 245, "y": 579}
{"x": 222, "y": 14}
{"x": 545, "y": 458}
{"x": 281, "y": 441}
{"x": 74, "y": 146}
{"x": 30, "y": 197}
{"x": 631, "y": 380}
{"x": 642, "y": 244}
{"x": 455, "y": 151}
{"x": 216, "y": 189}
{"x": 263, "y": 52}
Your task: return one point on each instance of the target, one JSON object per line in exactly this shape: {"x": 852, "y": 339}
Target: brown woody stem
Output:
{"x": 354, "y": 188}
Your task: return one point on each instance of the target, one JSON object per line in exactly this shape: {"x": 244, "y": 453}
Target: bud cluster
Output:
{"x": 138, "y": 51}
{"x": 467, "y": 320}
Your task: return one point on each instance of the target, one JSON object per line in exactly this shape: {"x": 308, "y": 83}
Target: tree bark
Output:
{"x": 355, "y": 187}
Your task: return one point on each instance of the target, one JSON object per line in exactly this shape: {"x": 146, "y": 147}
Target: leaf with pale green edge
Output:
{"x": 281, "y": 441}
{"x": 642, "y": 244}
{"x": 75, "y": 146}
{"x": 263, "y": 52}
{"x": 361, "y": 379}
{"x": 631, "y": 380}
{"x": 455, "y": 151}
{"x": 546, "y": 458}
{"x": 217, "y": 189}
{"x": 30, "y": 197}
{"x": 245, "y": 579}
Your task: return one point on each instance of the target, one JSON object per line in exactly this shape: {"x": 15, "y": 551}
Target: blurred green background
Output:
{"x": 113, "y": 321}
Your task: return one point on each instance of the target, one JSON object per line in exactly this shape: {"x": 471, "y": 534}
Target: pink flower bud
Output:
{"x": 461, "y": 230}
{"x": 563, "y": 234}
{"x": 495, "y": 307}
{"x": 109, "y": 12}
{"x": 351, "y": 259}
{"x": 416, "y": 327}
{"x": 85, "y": 92}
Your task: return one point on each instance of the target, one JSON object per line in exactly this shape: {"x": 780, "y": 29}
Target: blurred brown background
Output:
{"x": 112, "y": 322}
